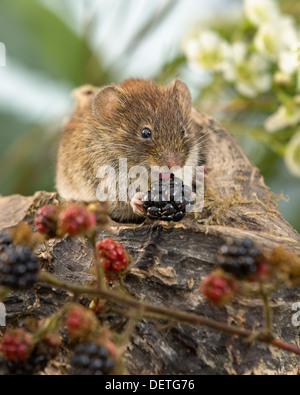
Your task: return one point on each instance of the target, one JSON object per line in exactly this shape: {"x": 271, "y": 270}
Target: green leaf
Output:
{"x": 36, "y": 37}
{"x": 29, "y": 162}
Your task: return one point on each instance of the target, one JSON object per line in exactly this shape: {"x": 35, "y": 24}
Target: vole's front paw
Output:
{"x": 137, "y": 203}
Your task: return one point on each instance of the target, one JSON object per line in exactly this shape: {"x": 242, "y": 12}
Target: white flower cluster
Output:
{"x": 269, "y": 59}
{"x": 248, "y": 72}
{"x": 208, "y": 51}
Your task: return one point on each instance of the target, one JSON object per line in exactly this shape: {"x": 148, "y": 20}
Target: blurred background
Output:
{"x": 240, "y": 59}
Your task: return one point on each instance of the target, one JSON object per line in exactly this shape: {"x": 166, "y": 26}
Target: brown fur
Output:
{"x": 107, "y": 125}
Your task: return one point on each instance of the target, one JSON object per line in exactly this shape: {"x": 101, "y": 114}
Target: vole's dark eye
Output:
{"x": 183, "y": 131}
{"x": 146, "y": 133}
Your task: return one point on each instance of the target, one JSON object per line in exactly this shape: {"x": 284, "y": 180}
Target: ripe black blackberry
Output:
{"x": 239, "y": 258}
{"x": 5, "y": 240}
{"x": 35, "y": 363}
{"x": 19, "y": 267}
{"x": 91, "y": 359}
{"x": 168, "y": 200}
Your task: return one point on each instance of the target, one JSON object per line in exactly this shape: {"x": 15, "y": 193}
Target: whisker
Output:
{"x": 101, "y": 147}
{"x": 85, "y": 150}
{"x": 204, "y": 139}
{"x": 122, "y": 145}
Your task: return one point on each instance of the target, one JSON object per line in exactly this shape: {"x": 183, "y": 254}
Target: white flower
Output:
{"x": 288, "y": 62}
{"x": 273, "y": 38}
{"x": 288, "y": 32}
{"x": 208, "y": 51}
{"x": 292, "y": 155}
{"x": 249, "y": 73}
{"x": 261, "y": 11}
{"x": 284, "y": 116}
{"x": 267, "y": 41}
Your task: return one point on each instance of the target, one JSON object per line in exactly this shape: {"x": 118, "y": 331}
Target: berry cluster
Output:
{"x": 167, "y": 200}
{"x": 76, "y": 220}
{"x": 22, "y": 355}
{"x": 16, "y": 345}
{"x": 5, "y": 240}
{"x": 46, "y": 219}
{"x": 35, "y": 363}
{"x": 91, "y": 359}
{"x": 73, "y": 220}
{"x": 240, "y": 258}
{"x": 19, "y": 266}
{"x": 113, "y": 257}
{"x": 218, "y": 288}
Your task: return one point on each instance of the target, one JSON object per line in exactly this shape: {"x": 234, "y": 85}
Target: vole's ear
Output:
{"x": 183, "y": 92}
{"x": 83, "y": 95}
{"x": 105, "y": 101}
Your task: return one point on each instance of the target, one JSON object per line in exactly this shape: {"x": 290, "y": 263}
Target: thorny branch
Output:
{"x": 158, "y": 312}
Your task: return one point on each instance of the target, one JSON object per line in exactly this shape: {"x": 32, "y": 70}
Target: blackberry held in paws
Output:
{"x": 167, "y": 200}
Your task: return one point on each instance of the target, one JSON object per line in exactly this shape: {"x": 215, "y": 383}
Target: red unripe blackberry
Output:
{"x": 53, "y": 340}
{"x": 76, "y": 220}
{"x": 167, "y": 200}
{"x": 240, "y": 258}
{"x": 46, "y": 220}
{"x": 80, "y": 322}
{"x": 218, "y": 288}
{"x": 16, "y": 345}
{"x": 91, "y": 359}
{"x": 19, "y": 267}
{"x": 113, "y": 257}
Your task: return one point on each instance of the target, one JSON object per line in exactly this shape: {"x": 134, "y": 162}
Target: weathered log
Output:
{"x": 170, "y": 260}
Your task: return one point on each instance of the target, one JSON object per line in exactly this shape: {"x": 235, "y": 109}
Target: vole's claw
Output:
{"x": 137, "y": 203}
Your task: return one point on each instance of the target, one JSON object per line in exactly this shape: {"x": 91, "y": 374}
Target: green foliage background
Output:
{"x": 46, "y": 42}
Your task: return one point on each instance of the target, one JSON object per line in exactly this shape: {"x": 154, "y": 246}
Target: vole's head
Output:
{"x": 149, "y": 125}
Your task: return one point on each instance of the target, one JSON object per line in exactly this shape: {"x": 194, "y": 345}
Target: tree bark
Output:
{"x": 169, "y": 262}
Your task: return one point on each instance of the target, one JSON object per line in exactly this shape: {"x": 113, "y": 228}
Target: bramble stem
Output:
{"x": 49, "y": 325}
{"x": 158, "y": 312}
{"x": 99, "y": 270}
{"x": 98, "y": 264}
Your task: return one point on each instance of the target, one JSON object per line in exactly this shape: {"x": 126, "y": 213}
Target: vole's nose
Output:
{"x": 172, "y": 160}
